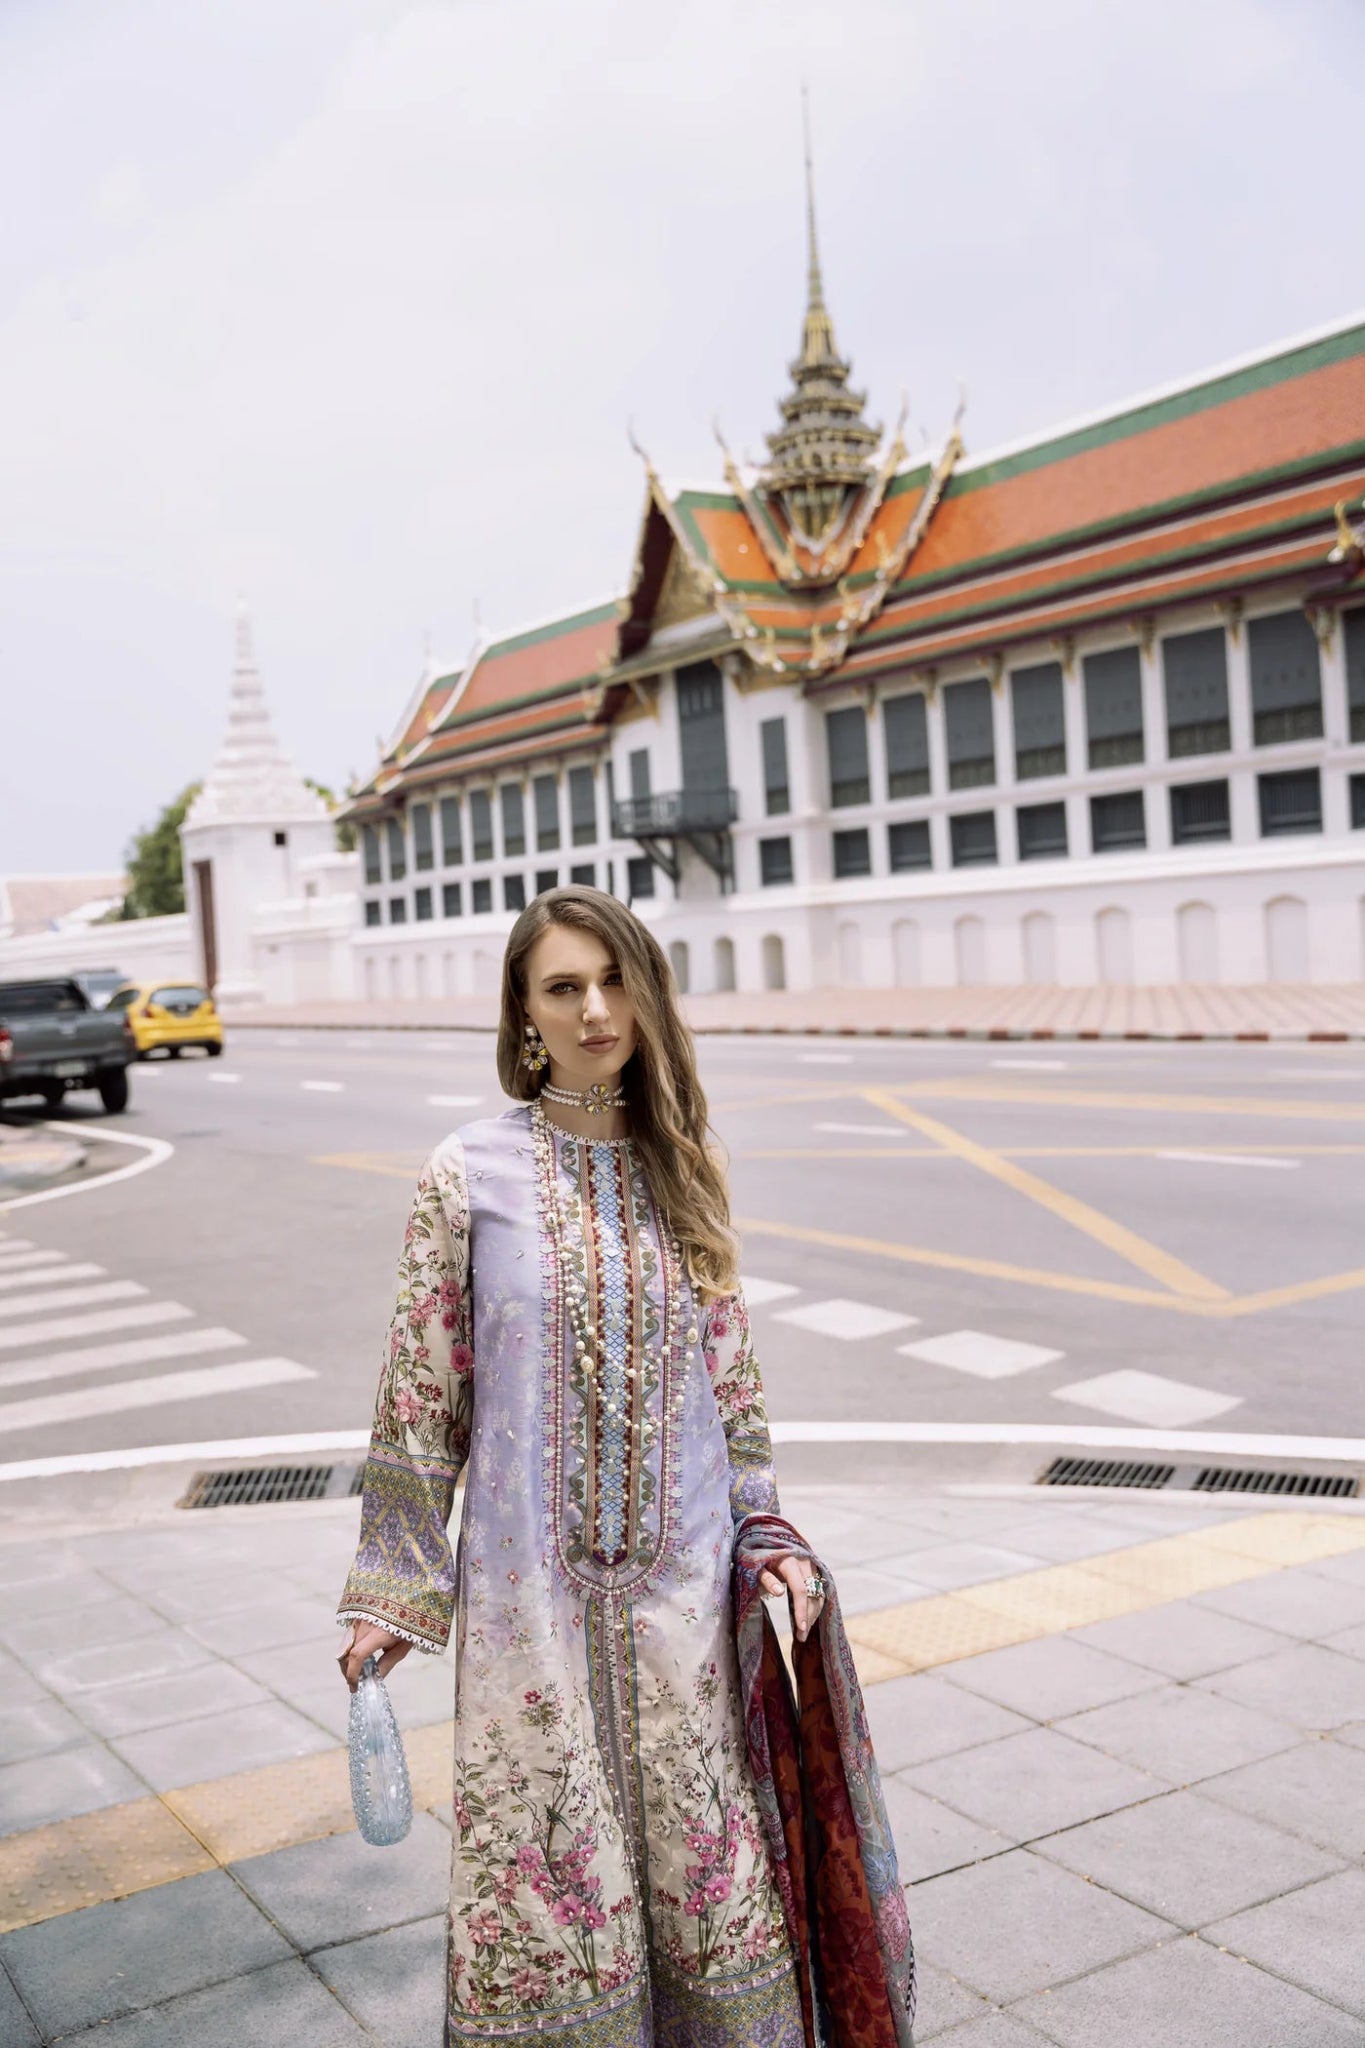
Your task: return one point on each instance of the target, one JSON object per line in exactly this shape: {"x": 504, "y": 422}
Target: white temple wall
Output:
{"x": 144, "y": 948}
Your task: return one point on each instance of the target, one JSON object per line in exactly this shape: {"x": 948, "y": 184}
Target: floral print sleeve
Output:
{"x": 403, "y": 1577}
{"x": 727, "y": 1347}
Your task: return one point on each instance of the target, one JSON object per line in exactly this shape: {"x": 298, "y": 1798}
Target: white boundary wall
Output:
{"x": 145, "y": 948}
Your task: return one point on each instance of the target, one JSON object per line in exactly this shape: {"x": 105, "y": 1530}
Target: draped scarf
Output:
{"x": 833, "y": 1857}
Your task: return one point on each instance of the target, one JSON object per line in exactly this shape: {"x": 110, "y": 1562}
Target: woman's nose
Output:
{"x": 595, "y": 1009}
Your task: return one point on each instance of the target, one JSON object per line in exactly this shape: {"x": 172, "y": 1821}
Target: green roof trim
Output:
{"x": 1179, "y": 405}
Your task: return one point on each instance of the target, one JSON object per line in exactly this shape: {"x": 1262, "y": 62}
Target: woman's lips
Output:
{"x": 596, "y": 1044}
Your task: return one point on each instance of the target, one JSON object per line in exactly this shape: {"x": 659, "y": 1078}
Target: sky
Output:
{"x": 351, "y": 305}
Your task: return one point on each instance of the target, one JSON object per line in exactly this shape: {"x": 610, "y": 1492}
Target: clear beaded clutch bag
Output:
{"x": 380, "y": 1791}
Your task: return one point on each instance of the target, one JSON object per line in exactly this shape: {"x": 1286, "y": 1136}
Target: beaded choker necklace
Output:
{"x": 597, "y": 1099}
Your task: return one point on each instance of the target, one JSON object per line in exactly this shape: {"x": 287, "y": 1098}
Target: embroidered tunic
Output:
{"x": 610, "y": 1882}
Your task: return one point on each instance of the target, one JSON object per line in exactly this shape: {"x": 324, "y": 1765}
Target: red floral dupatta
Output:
{"x": 818, "y": 1789}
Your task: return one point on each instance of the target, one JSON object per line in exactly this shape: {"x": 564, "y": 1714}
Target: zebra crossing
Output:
{"x": 44, "y": 1342}
{"x": 1153, "y": 1400}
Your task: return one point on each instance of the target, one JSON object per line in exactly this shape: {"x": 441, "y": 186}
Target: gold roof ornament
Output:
{"x": 822, "y": 454}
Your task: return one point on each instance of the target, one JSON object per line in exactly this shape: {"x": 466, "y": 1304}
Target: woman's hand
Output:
{"x": 789, "y": 1576}
{"x": 363, "y": 1639}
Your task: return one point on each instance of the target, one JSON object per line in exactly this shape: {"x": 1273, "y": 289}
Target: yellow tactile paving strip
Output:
{"x": 123, "y": 1849}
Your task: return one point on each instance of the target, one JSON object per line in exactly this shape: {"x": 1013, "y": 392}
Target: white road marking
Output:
{"x": 1316, "y": 1074}
{"x": 359, "y": 1044}
{"x": 985, "y": 1357}
{"x": 10, "y": 1244}
{"x": 225, "y": 1080}
{"x": 72, "y": 1297}
{"x": 1147, "y": 1397}
{"x": 756, "y": 1292}
{"x": 826, "y": 1059}
{"x": 157, "y": 1152}
{"x": 45, "y": 1409}
{"x": 11, "y": 1260}
{"x": 1033, "y": 1066}
{"x": 29, "y": 1334}
{"x": 12, "y": 1279}
{"x": 324, "y": 1087}
{"x": 1229, "y": 1159}
{"x": 896, "y": 1131}
{"x": 1090, "y": 1436}
{"x": 286, "y": 1041}
{"x": 58, "y": 1365}
{"x": 454, "y": 1101}
{"x": 848, "y": 1320}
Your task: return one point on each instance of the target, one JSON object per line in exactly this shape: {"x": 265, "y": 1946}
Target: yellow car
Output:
{"x": 169, "y": 1015}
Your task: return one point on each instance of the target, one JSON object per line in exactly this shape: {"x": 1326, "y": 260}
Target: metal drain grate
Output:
{"x": 1330, "y": 1485}
{"x": 1105, "y": 1472}
{"x": 253, "y": 1486}
{"x": 1199, "y": 1478}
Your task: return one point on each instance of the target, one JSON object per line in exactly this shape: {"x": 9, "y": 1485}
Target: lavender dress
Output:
{"x": 610, "y": 1881}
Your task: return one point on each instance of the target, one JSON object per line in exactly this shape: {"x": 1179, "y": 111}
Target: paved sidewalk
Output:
{"x": 1122, "y": 1739}
{"x": 1283, "y": 1011}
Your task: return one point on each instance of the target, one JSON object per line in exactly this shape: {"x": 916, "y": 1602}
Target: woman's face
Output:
{"x": 576, "y": 1000}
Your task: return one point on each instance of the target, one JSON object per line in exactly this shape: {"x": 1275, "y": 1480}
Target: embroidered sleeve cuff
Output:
{"x": 432, "y": 1646}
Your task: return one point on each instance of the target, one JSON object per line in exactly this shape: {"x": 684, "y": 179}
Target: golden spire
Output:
{"x": 817, "y": 334}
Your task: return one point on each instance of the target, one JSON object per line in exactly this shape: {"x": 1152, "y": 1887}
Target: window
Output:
{"x": 423, "y": 853}
{"x": 582, "y": 807}
{"x": 972, "y": 839}
{"x": 1039, "y": 721}
{"x": 398, "y": 857}
{"x": 638, "y": 764}
{"x": 1117, "y": 821}
{"x": 1357, "y": 802}
{"x": 514, "y": 892}
{"x": 906, "y": 728}
{"x": 451, "y": 851}
{"x": 1290, "y": 802}
{"x": 513, "y": 819}
{"x": 281, "y": 839}
{"x": 846, "y": 740}
{"x": 545, "y": 797}
{"x": 451, "y": 905}
{"x": 1199, "y": 810}
{"x": 481, "y": 895}
{"x": 852, "y": 852}
{"x": 1113, "y": 707}
{"x": 1353, "y": 631}
{"x": 481, "y": 824}
{"x": 1286, "y": 682}
{"x": 639, "y": 877}
{"x": 1195, "y": 671}
{"x": 971, "y": 737}
{"x": 1042, "y": 831}
{"x": 908, "y": 846}
{"x": 422, "y": 905}
{"x": 369, "y": 848}
{"x": 775, "y": 861}
{"x": 398, "y": 910}
{"x": 701, "y": 727}
{"x": 546, "y": 878}
{"x": 772, "y": 734}
{"x": 374, "y": 910}
{"x": 584, "y": 876}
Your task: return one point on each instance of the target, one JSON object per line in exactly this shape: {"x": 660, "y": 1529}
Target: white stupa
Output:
{"x": 254, "y": 821}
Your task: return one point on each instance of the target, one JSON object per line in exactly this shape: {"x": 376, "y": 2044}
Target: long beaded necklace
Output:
{"x": 589, "y": 1340}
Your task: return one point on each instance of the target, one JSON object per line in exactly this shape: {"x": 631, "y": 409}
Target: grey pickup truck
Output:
{"x": 52, "y": 1039}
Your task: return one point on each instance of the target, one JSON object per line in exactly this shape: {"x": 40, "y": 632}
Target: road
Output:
{"x": 1160, "y": 1236}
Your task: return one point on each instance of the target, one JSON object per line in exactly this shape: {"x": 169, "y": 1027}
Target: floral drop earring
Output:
{"x": 536, "y": 1054}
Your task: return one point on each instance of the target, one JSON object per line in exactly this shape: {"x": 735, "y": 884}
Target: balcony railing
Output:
{"x": 675, "y": 813}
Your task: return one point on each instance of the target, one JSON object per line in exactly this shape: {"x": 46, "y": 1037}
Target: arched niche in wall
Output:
{"x": 1286, "y": 939}
{"x": 849, "y": 940}
{"x": 450, "y": 982}
{"x": 487, "y": 973}
{"x": 1039, "y": 934}
{"x": 905, "y": 952}
{"x": 395, "y": 977}
{"x": 678, "y": 960}
{"x": 1196, "y": 933}
{"x": 969, "y": 951}
{"x": 725, "y": 964}
{"x": 419, "y": 974}
{"x": 774, "y": 961}
{"x": 1114, "y": 947}
{"x": 371, "y": 978}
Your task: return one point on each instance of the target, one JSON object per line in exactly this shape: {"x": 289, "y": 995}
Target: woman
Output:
{"x": 569, "y": 1325}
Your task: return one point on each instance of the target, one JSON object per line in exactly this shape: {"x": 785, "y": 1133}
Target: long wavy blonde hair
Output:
{"x": 666, "y": 1102}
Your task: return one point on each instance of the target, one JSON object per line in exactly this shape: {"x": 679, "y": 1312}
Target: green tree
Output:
{"x": 345, "y": 830}
{"x": 156, "y": 886}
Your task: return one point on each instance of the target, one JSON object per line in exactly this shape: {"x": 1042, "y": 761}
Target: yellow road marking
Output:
{"x": 889, "y": 1150}
{"x": 1298, "y": 1290}
{"x": 1159, "y": 1265}
{"x": 967, "y": 1090}
{"x": 70, "y": 1864}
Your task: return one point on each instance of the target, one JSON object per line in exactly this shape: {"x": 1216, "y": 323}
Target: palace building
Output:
{"x": 1086, "y": 708}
